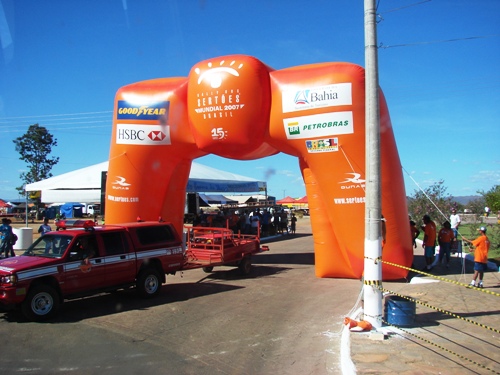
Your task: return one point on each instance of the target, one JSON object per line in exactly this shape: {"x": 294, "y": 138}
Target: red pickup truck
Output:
{"x": 88, "y": 259}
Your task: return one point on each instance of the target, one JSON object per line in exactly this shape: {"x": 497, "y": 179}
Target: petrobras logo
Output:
{"x": 322, "y": 145}
{"x": 143, "y": 135}
{"x": 321, "y": 125}
{"x": 353, "y": 180}
{"x": 143, "y": 112}
{"x": 317, "y": 97}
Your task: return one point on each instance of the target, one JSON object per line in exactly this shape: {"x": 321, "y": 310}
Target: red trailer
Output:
{"x": 208, "y": 247}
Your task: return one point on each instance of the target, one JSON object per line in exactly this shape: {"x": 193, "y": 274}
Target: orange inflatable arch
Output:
{"x": 239, "y": 108}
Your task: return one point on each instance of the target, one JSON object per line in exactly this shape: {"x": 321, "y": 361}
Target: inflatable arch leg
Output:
{"x": 151, "y": 153}
{"x": 318, "y": 114}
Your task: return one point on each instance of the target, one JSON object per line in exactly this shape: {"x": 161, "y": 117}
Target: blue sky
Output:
{"x": 61, "y": 63}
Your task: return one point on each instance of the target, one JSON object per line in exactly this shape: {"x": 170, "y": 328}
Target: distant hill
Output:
{"x": 465, "y": 198}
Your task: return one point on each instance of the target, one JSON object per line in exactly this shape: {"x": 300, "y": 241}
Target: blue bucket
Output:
{"x": 399, "y": 311}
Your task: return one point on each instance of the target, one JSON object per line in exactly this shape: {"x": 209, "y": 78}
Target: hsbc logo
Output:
{"x": 144, "y": 135}
{"x": 156, "y": 136}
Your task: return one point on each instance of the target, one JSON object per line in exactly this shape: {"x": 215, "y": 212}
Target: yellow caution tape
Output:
{"x": 439, "y": 277}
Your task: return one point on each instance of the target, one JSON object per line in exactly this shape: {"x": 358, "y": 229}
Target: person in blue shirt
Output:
{"x": 45, "y": 227}
{"x": 6, "y": 236}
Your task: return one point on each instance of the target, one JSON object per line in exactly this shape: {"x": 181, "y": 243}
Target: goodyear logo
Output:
{"x": 143, "y": 112}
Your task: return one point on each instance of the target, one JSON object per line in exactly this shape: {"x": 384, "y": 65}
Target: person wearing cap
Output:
{"x": 454, "y": 221}
{"x": 482, "y": 246}
{"x": 5, "y": 236}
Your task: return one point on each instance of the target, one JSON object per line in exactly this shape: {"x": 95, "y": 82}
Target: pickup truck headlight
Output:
{"x": 9, "y": 279}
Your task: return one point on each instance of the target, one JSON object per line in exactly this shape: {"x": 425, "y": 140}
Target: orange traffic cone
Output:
{"x": 363, "y": 325}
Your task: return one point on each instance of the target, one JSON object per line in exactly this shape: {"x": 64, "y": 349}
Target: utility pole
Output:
{"x": 373, "y": 233}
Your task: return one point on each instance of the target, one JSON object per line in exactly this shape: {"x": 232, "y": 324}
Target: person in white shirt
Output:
{"x": 454, "y": 221}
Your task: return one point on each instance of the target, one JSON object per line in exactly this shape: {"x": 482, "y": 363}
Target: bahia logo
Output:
{"x": 301, "y": 98}
{"x": 315, "y": 97}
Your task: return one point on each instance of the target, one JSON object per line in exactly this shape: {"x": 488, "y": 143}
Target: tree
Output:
{"x": 476, "y": 206}
{"x": 492, "y": 198}
{"x": 35, "y": 147}
{"x": 433, "y": 201}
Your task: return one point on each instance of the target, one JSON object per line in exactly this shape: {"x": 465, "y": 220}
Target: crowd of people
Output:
{"x": 266, "y": 222}
{"x": 447, "y": 237}
{"x": 274, "y": 221}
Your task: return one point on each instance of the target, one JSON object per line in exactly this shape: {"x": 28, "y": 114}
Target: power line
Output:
{"x": 437, "y": 41}
{"x": 404, "y": 7}
{"x": 68, "y": 121}
{"x": 54, "y": 115}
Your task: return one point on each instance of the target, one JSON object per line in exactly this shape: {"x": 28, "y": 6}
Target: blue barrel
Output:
{"x": 399, "y": 311}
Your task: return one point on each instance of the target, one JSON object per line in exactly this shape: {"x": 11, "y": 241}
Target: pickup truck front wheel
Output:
{"x": 149, "y": 283}
{"x": 41, "y": 303}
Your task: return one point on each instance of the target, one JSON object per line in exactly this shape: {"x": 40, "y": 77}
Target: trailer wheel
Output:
{"x": 41, "y": 303}
{"x": 148, "y": 283}
{"x": 208, "y": 269}
{"x": 245, "y": 265}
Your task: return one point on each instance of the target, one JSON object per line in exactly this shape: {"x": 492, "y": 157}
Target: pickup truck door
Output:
{"x": 120, "y": 258}
{"x": 84, "y": 268}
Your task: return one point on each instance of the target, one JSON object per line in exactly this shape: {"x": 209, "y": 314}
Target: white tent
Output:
{"x": 84, "y": 185}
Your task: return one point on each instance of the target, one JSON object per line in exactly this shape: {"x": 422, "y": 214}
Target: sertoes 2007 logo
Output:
{"x": 218, "y": 102}
{"x": 214, "y": 75}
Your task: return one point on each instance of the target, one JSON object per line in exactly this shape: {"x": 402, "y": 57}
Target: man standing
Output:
{"x": 429, "y": 242}
{"x": 45, "y": 227}
{"x": 6, "y": 236}
{"x": 455, "y": 222}
{"x": 482, "y": 246}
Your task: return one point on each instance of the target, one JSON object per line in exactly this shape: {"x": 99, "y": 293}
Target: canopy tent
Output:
{"x": 294, "y": 202}
{"x": 285, "y": 200}
{"x": 302, "y": 200}
{"x": 4, "y": 204}
{"x": 84, "y": 185}
{"x": 71, "y": 210}
{"x": 216, "y": 199}
{"x": 210, "y": 180}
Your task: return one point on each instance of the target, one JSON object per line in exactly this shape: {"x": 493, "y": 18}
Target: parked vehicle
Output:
{"x": 83, "y": 259}
{"x": 91, "y": 209}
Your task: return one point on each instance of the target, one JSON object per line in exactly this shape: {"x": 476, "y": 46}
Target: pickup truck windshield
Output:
{"x": 49, "y": 245}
